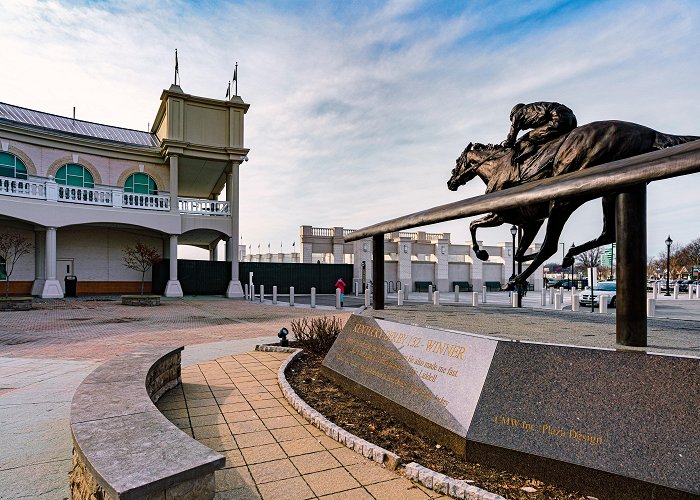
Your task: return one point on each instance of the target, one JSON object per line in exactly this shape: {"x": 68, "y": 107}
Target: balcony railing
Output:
{"x": 204, "y": 207}
{"x": 40, "y": 188}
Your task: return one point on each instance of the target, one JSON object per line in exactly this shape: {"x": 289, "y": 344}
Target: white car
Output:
{"x": 608, "y": 288}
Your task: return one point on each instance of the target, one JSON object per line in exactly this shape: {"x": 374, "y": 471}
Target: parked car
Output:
{"x": 608, "y": 288}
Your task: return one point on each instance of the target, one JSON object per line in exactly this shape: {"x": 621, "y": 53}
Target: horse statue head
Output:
{"x": 468, "y": 163}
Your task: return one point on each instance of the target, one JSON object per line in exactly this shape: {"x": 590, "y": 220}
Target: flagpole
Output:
{"x": 175, "y": 76}
{"x": 235, "y": 77}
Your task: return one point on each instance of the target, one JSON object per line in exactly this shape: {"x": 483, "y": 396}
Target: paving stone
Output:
{"x": 264, "y": 453}
{"x": 289, "y": 433}
{"x": 301, "y": 446}
{"x": 273, "y": 471}
{"x": 255, "y": 425}
{"x": 369, "y": 472}
{"x": 315, "y": 462}
{"x": 254, "y": 439}
{"x": 233, "y": 478}
{"x": 277, "y": 422}
{"x": 398, "y": 488}
{"x": 330, "y": 481}
{"x": 287, "y": 489}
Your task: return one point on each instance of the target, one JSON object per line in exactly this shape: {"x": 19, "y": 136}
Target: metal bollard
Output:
{"x": 399, "y": 298}
{"x": 367, "y": 297}
{"x": 551, "y": 295}
{"x": 291, "y": 296}
{"x": 543, "y": 297}
{"x": 262, "y": 293}
{"x": 675, "y": 291}
{"x": 338, "y": 305}
{"x": 430, "y": 292}
{"x": 557, "y": 302}
{"x": 603, "y": 304}
{"x": 456, "y": 293}
{"x": 247, "y": 292}
{"x": 483, "y": 295}
{"x": 313, "y": 296}
{"x": 436, "y": 298}
{"x": 274, "y": 294}
{"x": 514, "y": 299}
{"x": 475, "y": 299}
{"x": 651, "y": 308}
{"x": 405, "y": 292}
{"x": 654, "y": 290}
{"x": 574, "y": 303}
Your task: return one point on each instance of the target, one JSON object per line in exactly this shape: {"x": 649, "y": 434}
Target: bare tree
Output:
{"x": 140, "y": 258}
{"x": 590, "y": 258}
{"x": 12, "y": 247}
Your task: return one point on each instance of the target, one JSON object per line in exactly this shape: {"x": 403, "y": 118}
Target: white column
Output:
{"x": 313, "y": 296}
{"x": 274, "y": 294}
{"x": 39, "y": 261}
{"x": 405, "y": 250}
{"x": 173, "y": 288}
{"x": 291, "y": 296}
{"x": 174, "y": 206}
{"x": 338, "y": 304}
{"x": 442, "y": 250}
{"x": 338, "y": 246}
{"x": 675, "y": 291}
{"x": 235, "y": 290}
{"x": 456, "y": 293}
{"x": 52, "y": 288}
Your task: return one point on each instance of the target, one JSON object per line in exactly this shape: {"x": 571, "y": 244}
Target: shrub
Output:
{"x": 317, "y": 333}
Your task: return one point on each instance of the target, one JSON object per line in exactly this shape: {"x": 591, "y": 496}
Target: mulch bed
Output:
{"x": 379, "y": 427}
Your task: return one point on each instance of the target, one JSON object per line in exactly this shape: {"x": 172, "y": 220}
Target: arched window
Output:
{"x": 75, "y": 175}
{"x": 11, "y": 166}
{"x": 140, "y": 183}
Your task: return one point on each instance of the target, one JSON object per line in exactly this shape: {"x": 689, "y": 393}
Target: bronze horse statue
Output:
{"x": 584, "y": 147}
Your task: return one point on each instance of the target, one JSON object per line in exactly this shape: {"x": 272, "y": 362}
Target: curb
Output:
{"x": 435, "y": 481}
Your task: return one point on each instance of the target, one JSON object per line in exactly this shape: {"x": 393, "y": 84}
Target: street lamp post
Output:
{"x": 668, "y": 265}
{"x": 562, "y": 260}
{"x": 520, "y": 270}
{"x": 571, "y": 280}
{"x": 513, "y": 232}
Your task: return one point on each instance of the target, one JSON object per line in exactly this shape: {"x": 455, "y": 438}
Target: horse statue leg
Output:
{"x": 529, "y": 233}
{"x": 489, "y": 220}
{"x": 559, "y": 213}
{"x": 606, "y": 237}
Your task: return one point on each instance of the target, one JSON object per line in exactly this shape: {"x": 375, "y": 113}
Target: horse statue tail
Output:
{"x": 667, "y": 140}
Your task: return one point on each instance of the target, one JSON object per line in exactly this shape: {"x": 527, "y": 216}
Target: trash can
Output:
{"x": 71, "y": 286}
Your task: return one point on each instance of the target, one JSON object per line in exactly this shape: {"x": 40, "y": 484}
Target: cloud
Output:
{"x": 359, "y": 111}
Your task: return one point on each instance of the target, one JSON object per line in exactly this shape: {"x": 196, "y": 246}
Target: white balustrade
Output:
{"x": 24, "y": 188}
{"x": 83, "y": 195}
{"x": 146, "y": 201}
{"x": 204, "y": 207}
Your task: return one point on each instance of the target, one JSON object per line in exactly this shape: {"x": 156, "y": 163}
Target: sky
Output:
{"x": 358, "y": 110}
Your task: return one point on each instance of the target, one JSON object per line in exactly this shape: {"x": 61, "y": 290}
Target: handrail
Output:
{"x": 590, "y": 183}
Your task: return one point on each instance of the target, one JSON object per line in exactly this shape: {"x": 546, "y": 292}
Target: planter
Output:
{"x": 141, "y": 300}
{"x": 15, "y": 303}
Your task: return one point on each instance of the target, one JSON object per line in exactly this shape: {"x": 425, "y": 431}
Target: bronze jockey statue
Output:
{"x": 548, "y": 120}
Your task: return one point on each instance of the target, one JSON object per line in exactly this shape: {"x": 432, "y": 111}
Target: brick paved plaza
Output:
{"x": 45, "y": 354}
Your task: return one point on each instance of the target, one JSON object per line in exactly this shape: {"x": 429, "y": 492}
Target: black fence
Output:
{"x": 203, "y": 277}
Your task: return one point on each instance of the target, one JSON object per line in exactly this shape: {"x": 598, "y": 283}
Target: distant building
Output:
{"x": 414, "y": 256}
{"x": 82, "y": 191}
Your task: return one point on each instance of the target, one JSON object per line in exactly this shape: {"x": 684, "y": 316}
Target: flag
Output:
{"x": 177, "y": 69}
{"x": 268, "y": 247}
{"x": 235, "y": 78}
{"x": 228, "y": 90}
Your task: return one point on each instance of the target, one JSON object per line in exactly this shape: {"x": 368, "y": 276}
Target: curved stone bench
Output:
{"x": 123, "y": 446}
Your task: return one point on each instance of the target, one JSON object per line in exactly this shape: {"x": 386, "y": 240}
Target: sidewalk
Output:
{"x": 234, "y": 406}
